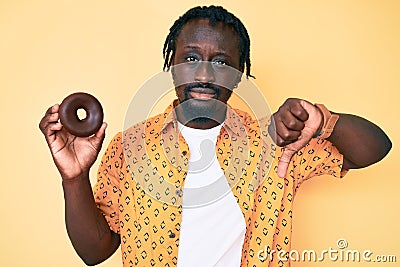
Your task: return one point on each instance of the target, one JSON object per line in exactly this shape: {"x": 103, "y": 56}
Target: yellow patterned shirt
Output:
{"x": 142, "y": 173}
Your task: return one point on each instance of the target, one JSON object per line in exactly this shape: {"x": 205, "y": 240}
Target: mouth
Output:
{"x": 202, "y": 93}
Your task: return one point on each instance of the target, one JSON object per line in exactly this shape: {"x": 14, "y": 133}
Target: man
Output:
{"x": 139, "y": 202}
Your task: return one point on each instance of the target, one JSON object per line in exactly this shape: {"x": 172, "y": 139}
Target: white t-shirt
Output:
{"x": 213, "y": 227}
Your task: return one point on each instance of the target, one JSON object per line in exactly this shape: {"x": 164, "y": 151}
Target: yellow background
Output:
{"x": 345, "y": 54}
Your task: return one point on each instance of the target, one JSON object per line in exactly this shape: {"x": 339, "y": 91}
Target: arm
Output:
{"x": 361, "y": 142}
{"x": 87, "y": 228}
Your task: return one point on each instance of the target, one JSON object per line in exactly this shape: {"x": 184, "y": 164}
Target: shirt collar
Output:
{"x": 234, "y": 123}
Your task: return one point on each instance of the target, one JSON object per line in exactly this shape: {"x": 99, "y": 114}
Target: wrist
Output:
{"x": 72, "y": 180}
{"x": 321, "y": 125}
{"x": 327, "y": 124}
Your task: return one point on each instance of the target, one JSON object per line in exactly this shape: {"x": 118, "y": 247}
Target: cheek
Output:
{"x": 225, "y": 95}
{"x": 183, "y": 74}
{"x": 180, "y": 92}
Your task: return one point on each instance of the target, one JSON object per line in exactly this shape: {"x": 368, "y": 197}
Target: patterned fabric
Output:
{"x": 141, "y": 175}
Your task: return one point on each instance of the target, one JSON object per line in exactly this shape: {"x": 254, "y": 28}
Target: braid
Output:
{"x": 214, "y": 14}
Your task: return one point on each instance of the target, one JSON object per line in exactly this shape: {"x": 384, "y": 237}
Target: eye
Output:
{"x": 219, "y": 62}
{"x": 191, "y": 59}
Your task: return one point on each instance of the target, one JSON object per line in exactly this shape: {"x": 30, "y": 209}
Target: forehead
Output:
{"x": 202, "y": 31}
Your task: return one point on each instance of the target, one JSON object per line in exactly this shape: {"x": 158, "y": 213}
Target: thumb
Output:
{"x": 97, "y": 139}
{"x": 284, "y": 161}
{"x": 291, "y": 149}
{"x": 101, "y": 132}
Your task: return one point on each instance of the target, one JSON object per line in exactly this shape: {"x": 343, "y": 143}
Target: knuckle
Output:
{"x": 291, "y": 124}
{"x": 280, "y": 143}
{"x": 299, "y": 112}
{"x": 286, "y": 135}
{"x": 41, "y": 125}
{"x": 296, "y": 111}
{"x": 291, "y": 100}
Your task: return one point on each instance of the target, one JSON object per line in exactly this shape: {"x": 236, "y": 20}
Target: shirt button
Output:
{"x": 184, "y": 152}
{"x": 172, "y": 235}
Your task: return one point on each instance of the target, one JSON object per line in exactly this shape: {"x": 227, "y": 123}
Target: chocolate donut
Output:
{"x": 69, "y": 116}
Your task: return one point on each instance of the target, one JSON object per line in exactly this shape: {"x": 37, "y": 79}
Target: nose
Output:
{"x": 205, "y": 72}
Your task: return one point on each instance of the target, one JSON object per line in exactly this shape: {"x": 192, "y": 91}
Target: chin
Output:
{"x": 200, "y": 110}
{"x": 202, "y": 120}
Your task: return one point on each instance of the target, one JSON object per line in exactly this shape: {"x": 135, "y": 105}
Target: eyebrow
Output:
{"x": 191, "y": 47}
{"x": 194, "y": 47}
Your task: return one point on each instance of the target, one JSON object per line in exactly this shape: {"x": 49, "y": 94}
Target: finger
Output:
{"x": 284, "y": 161}
{"x": 281, "y": 142}
{"x": 47, "y": 122}
{"x": 52, "y": 109}
{"x": 315, "y": 120}
{"x": 307, "y": 133}
{"x": 299, "y": 111}
{"x": 101, "y": 132}
{"x": 97, "y": 139}
{"x": 51, "y": 131}
{"x": 49, "y": 117}
{"x": 55, "y": 127}
{"x": 292, "y": 122}
{"x": 286, "y": 134}
{"x": 54, "y": 117}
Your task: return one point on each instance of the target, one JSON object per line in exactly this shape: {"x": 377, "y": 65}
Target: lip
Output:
{"x": 202, "y": 93}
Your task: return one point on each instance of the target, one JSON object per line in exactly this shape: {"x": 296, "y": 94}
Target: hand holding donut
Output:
{"x": 72, "y": 154}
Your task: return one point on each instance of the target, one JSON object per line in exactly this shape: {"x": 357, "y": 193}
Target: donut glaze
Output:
{"x": 69, "y": 116}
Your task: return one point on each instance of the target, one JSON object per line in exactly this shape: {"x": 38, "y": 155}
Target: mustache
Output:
{"x": 189, "y": 87}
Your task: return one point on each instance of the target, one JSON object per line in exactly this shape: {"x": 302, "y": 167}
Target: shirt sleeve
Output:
{"x": 107, "y": 188}
{"x": 318, "y": 157}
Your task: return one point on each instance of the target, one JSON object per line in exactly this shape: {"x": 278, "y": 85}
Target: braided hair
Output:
{"x": 214, "y": 14}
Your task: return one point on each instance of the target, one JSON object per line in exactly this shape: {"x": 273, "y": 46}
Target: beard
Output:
{"x": 201, "y": 111}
